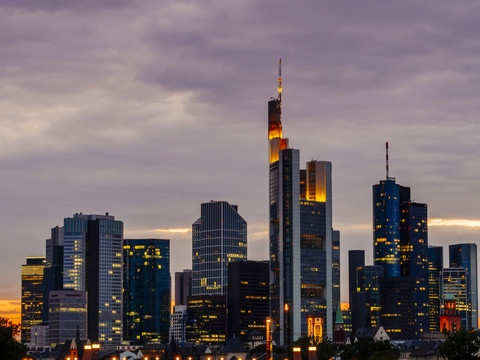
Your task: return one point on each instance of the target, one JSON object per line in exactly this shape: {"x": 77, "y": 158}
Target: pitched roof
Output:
{"x": 233, "y": 345}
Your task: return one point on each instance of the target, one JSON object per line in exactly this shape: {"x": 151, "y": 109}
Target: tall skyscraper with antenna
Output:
{"x": 301, "y": 235}
{"x": 400, "y": 240}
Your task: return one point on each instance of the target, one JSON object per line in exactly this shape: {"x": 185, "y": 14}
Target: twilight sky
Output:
{"x": 145, "y": 109}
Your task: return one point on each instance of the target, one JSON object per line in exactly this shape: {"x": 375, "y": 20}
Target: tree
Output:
{"x": 461, "y": 345}
{"x": 11, "y": 348}
{"x": 326, "y": 350}
{"x": 369, "y": 349}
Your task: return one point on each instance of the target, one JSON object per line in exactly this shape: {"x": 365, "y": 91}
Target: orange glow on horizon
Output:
{"x": 11, "y": 310}
{"x": 454, "y": 222}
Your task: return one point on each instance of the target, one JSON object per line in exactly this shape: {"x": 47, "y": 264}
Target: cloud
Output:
{"x": 148, "y": 109}
{"x": 454, "y": 222}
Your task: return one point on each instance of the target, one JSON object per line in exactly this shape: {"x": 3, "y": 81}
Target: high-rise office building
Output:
{"x": 248, "y": 298}
{"x": 435, "y": 266}
{"x": 336, "y": 269}
{"x": 368, "y": 281}
{"x": 67, "y": 315}
{"x": 207, "y": 319}
{"x": 178, "y": 322}
{"x": 455, "y": 283}
{"x": 358, "y": 309}
{"x": 146, "y": 290}
{"x": 414, "y": 257}
{"x": 183, "y": 286}
{"x": 32, "y": 295}
{"x": 465, "y": 255}
{"x": 356, "y": 259}
{"x": 400, "y": 248}
{"x": 397, "y": 297}
{"x": 92, "y": 262}
{"x": 303, "y": 247}
{"x": 53, "y": 279}
{"x": 219, "y": 236}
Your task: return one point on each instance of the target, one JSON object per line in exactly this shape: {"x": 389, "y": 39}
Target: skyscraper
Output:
{"x": 32, "y": 295}
{"x": 53, "y": 271}
{"x": 248, "y": 298}
{"x": 183, "y": 286}
{"x": 368, "y": 281}
{"x": 435, "y": 266}
{"x": 400, "y": 248}
{"x": 455, "y": 283}
{"x": 219, "y": 237}
{"x": 210, "y": 319}
{"x": 387, "y": 196}
{"x": 67, "y": 313}
{"x": 146, "y": 296}
{"x": 356, "y": 259}
{"x": 319, "y": 247}
{"x": 414, "y": 257}
{"x": 303, "y": 247}
{"x": 465, "y": 255}
{"x": 93, "y": 259}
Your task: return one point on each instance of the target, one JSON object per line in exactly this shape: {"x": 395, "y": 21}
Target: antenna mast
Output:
{"x": 280, "y": 80}
{"x": 386, "y": 157}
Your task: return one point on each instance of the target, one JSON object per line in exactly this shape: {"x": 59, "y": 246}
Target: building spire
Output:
{"x": 386, "y": 158}
{"x": 280, "y": 80}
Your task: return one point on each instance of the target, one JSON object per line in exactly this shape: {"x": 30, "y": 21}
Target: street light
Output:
{"x": 286, "y": 309}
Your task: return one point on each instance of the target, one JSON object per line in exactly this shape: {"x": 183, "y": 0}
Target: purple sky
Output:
{"x": 145, "y": 109}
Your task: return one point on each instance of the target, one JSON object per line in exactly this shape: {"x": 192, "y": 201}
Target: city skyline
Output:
{"x": 119, "y": 108}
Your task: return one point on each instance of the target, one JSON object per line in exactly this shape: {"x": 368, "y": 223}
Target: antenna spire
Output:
{"x": 386, "y": 157}
{"x": 280, "y": 80}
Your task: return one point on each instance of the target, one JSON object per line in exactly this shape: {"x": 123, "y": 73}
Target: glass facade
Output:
{"x": 207, "y": 319}
{"x": 67, "y": 312}
{"x": 53, "y": 279}
{"x": 93, "y": 260}
{"x": 285, "y": 278}
{"x": 414, "y": 256}
{"x": 146, "y": 304}
{"x": 465, "y": 255}
{"x": 400, "y": 248}
{"x": 75, "y": 231}
{"x": 32, "y": 295}
{"x": 248, "y": 298}
{"x": 356, "y": 259}
{"x": 455, "y": 283}
{"x": 219, "y": 236}
{"x": 313, "y": 260}
{"x": 368, "y": 281}
{"x": 386, "y": 226}
{"x": 435, "y": 266}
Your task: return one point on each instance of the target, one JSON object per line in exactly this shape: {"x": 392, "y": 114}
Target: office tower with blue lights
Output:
{"x": 465, "y": 255}
{"x": 400, "y": 248}
{"x": 435, "y": 267}
{"x": 146, "y": 290}
{"x": 32, "y": 295}
{"x": 92, "y": 262}
{"x": 219, "y": 236}
{"x": 304, "y": 248}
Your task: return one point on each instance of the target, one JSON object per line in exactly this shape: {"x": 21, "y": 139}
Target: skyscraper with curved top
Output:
{"x": 219, "y": 236}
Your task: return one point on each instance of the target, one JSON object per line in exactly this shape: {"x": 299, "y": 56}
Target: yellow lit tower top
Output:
{"x": 277, "y": 142}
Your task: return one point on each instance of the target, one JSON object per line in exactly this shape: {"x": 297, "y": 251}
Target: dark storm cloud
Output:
{"x": 146, "y": 109}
